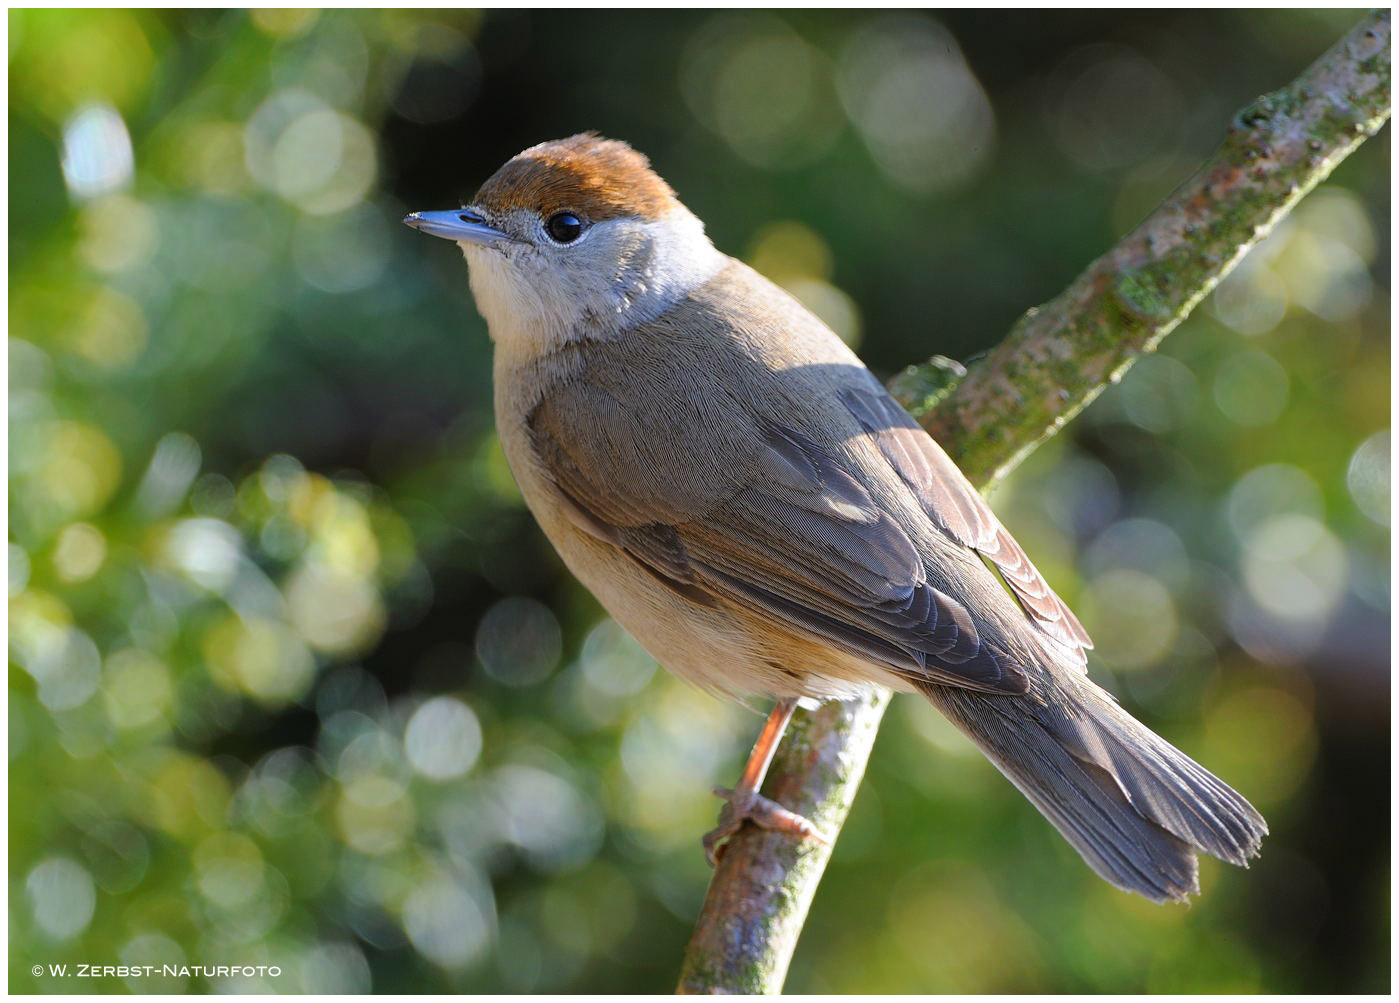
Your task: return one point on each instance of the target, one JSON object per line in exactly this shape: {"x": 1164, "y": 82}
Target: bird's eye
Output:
{"x": 565, "y": 227}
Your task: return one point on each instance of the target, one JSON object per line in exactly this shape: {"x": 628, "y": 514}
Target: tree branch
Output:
{"x": 1055, "y": 360}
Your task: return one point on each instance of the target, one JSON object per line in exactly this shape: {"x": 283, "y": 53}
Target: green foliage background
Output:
{"x": 294, "y": 680}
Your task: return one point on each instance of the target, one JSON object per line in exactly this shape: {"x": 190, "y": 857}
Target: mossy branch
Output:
{"x": 1055, "y": 360}
{"x": 1061, "y": 355}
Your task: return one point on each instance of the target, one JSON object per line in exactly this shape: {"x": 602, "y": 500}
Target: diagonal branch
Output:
{"x": 1055, "y": 361}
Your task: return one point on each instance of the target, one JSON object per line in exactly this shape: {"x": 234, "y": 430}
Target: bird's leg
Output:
{"x": 744, "y": 801}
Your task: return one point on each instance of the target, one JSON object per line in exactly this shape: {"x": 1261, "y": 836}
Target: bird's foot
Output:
{"x": 741, "y": 806}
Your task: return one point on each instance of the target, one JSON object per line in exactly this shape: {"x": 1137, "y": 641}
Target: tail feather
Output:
{"x": 1136, "y": 808}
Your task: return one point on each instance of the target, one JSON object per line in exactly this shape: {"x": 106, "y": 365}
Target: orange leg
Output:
{"x": 745, "y": 803}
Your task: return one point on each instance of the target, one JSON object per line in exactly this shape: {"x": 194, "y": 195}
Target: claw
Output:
{"x": 751, "y": 806}
{"x": 745, "y": 804}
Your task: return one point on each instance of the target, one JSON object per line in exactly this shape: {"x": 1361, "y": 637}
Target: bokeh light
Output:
{"x": 443, "y": 738}
{"x": 96, "y": 152}
{"x": 62, "y": 897}
{"x": 1114, "y": 108}
{"x": 1368, "y": 477}
{"x": 763, "y": 88}
{"x": 919, "y": 107}
{"x": 519, "y": 641}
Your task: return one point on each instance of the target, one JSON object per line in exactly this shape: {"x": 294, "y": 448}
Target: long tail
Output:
{"x": 1133, "y": 805}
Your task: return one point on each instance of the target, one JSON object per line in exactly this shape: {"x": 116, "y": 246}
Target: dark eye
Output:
{"x": 565, "y": 227}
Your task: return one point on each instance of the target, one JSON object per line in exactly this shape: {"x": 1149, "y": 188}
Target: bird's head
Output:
{"x": 575, "y": 238}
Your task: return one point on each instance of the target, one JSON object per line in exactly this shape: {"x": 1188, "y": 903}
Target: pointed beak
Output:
{"x": 462, "y": 225}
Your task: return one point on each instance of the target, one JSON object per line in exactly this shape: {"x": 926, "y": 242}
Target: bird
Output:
{"x": 743, "y": 496}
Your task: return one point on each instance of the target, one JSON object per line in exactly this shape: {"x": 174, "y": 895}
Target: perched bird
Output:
{"x": 745, "y": 498}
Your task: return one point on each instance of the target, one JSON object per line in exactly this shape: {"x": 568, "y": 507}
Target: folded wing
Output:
{"x": 791, "y": 534}
{"x": 960, "y": 511}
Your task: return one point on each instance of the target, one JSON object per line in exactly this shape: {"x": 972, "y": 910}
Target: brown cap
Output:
{"x": 597, "y": 178}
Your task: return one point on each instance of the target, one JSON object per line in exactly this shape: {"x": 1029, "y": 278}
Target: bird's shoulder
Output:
{"x": 681, "y": 410}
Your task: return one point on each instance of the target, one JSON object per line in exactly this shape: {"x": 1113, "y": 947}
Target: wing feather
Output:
{"x": 798, "y": 539}
{"x": 960, "y": 511}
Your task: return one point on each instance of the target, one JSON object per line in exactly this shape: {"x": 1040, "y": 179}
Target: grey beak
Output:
{"x": 462, "y": 225}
